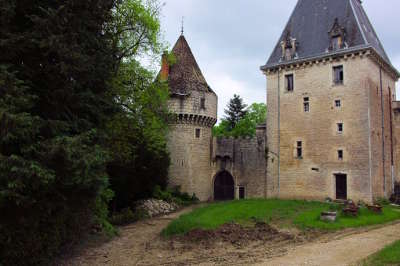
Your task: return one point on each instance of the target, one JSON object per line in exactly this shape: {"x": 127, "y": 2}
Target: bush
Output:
{"x": 174, "y": 195}
{"x": 127, "y": 216}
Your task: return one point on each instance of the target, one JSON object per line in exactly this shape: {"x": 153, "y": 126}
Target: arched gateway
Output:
{"x": 224, "y": 186}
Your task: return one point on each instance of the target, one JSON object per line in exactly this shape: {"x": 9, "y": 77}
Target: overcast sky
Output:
{"x": 231, "y": 39}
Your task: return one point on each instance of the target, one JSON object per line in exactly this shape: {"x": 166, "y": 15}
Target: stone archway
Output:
{"x": 224, "y": 186}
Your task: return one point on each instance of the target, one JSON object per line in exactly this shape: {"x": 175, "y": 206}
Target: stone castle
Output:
{"x": 333, "y": 125}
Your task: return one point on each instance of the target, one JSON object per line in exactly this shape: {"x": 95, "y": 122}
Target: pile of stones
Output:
{"x": 155, "y": 207}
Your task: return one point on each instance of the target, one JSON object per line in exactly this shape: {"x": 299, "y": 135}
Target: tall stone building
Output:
{"x": 333, "y": 126}
{"x": 330, "y": 87}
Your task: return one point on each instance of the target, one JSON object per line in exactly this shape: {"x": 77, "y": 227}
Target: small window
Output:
{"x": 338, "y": 103}
{"x": 306, "y": 104}
{"x": 338, "y": 76}
{"x": 340, "y": 127}
{"x": 289, "y": 83}
{"x": 203, "y": 103}
{"x": 299, "y": 149}
{"x": 198, "y": 133}
{"x": 340, "y": 154}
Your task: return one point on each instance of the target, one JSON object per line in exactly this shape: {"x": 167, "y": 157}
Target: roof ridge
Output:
{"x": 310, "y": 24}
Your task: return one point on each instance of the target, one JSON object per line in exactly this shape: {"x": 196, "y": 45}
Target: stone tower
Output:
{"x": 194, "y": 107}
{"x": 330, "y": 88}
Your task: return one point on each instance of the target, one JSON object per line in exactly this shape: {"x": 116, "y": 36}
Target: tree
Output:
{"x": 54, "y": 84}
{"x": 235, "y": 111}
{"x": 255, "y": 115}
{"x": 137, "y": 133}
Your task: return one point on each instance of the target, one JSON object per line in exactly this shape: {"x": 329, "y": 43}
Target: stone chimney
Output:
{"x": 164, "y": 67}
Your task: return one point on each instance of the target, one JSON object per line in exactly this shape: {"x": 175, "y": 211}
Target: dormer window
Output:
{"x": 289, "y": 47}
{"x": 337, "y": 35}
{"x": 336, "y": 43}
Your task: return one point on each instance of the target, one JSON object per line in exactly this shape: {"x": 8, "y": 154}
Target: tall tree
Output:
{"x": 256, "y": 114}
{"x": 137, "y": 134}
{"x": 235, "y": 111}
{"x": 54, "y": 102}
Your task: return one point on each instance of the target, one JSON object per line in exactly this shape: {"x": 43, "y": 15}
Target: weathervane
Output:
{"x": 182, "y": 25}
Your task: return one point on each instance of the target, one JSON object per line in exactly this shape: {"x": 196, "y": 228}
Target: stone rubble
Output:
{"x": 155, "y": 207}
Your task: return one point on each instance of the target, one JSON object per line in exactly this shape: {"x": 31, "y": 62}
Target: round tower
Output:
{"x": 194, "y": 107}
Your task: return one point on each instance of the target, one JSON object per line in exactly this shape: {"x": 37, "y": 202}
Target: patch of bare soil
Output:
{"x": 232, "y": 244}
{"x": 235, "y": 234}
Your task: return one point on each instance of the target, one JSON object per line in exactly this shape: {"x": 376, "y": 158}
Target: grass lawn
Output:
{"x": 388, "y": 256}
{"x": 287, "y": 213}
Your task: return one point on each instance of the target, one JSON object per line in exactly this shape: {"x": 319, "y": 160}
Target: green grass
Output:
{"x": 387, "y": 256}
{"x": 286, "y": 213}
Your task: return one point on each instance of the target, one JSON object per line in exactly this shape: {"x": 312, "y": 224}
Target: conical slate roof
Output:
{"x": 311, "y": 22}
{"x": 185, "y": 75}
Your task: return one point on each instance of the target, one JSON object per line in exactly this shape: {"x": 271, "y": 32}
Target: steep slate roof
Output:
{"x": 311, "y": 21}
{"x": 185, "y": 75}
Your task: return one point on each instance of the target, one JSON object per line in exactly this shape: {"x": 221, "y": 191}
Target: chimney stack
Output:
{"x": 164, "y": 67}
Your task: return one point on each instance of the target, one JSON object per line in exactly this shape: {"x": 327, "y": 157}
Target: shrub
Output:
{"x": 127, "y": 216}
{"x": 174, "y": 195}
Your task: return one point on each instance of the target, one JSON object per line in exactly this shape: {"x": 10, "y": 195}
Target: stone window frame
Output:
{"x": 340, "y": 128}
{"x": 340, "y": 81}
{"x": 340, "y": 154}
{"x": 306, "y": 104}
{"x": 286, "y": 77}
{"x": 299, "y": 150}
{"x": 338, "y": 103}
{"x": 197, "y": 133}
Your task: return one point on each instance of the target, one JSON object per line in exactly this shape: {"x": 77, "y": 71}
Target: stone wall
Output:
{"x": 244, "y": 159}
{"x": 313, "y": 175}
{"x": 191, "y": 166}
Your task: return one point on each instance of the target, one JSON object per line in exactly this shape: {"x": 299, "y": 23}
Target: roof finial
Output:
{"x": 182, "y": 25}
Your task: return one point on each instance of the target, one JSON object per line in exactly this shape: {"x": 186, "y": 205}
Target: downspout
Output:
{"x": 391, "y": 138}
{"x": 279, "y": 132}
{"x": 369, "y": 144}
{"x": 383, "y": 133}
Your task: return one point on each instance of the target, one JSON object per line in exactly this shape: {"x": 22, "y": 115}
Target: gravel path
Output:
{"x": 348, "y": 250}
{"x": 141, "y": 244}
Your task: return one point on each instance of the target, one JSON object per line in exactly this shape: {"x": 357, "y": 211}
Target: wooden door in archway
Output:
{"x": 224, "y": 186}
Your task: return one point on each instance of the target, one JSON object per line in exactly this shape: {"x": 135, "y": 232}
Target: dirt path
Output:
{"x": 141, "y": 244}
{"x": 348, "y": 250}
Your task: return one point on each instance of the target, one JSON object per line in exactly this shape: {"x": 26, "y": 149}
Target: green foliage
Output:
{"x": 390, "y": 255}
{"x": 382, "y": 201}
{"x": 302, "y": 214}
{"x": 77, "y": 112}
{"x": 137, "y": 136}
{"x": 136, "y": 29}
{"x": 137, "y": 132}
{"x": 54, "y": 80}
{"x": 127, "y": 216}
{"x": 174, "y": 195}
{"x": 235, "y": 111}
{"x": 246, "y": 126}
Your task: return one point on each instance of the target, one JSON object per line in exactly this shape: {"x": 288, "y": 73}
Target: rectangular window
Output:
{"x": 340, "y": 127}
{"x": 340, "y": 154}
{"x": 336, "y": 43}
{"x": 203, "y": 103}
{"x": 338, "y": 103}
{"x": 197, "y": 133}
{"x": 338, "y": 75}
{"x": 289, "y": 83}
{"x": 306, "y": 104}
{"x": 299, "y": 149}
